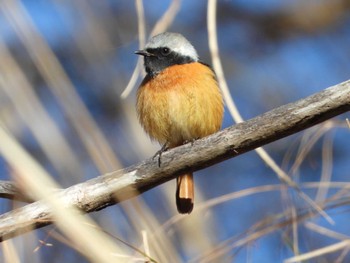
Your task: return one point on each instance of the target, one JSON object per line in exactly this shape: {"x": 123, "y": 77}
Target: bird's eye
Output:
{"x": 165, "y": 51}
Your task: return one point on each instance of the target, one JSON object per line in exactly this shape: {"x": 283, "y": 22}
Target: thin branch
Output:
{"x": 142, "y": 39}
{"x": 9, "y": 190}
{"x": 162, "y": 24}
{"x": 117, "y": 186}
{"x": 217, "y": 65}
{"x": 319, "y": 252}
{"x": 61, "y": 86}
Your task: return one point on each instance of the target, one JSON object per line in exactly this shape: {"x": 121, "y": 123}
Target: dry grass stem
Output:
{"x": 54, "y": 74}
{"x": 320, "y": 252}
{"x": 217, "y": 65}
{"x": 67, "y": 218}
{"x": 162, "y": 24}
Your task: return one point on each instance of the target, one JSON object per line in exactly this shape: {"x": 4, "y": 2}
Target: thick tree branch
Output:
{"x": 117, "y": 186}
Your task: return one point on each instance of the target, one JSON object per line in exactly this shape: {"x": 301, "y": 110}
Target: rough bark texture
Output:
{"x": 9, "y": 190}
{"x": 117, "y": 186}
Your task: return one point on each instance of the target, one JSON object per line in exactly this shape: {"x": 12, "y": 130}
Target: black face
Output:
{"x": 157, "y": 59}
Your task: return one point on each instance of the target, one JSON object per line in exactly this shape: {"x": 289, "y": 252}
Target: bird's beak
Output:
{"x": 144, "y": 53}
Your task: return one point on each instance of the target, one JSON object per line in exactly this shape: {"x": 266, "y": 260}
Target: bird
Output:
{"x": 178, "y": 101}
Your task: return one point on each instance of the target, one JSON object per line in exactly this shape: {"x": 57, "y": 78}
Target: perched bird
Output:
{"x": 178, "y": 101}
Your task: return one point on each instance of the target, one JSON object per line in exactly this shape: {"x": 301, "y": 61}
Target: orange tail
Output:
{"x": 185, "y": 193}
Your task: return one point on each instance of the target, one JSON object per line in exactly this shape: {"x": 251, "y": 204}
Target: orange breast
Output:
{"x": 181, "y": 103}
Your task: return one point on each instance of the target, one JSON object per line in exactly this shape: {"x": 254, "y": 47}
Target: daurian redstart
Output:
{"x": 178, "y": 101}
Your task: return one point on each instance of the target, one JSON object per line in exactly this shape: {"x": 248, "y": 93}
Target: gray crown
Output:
{"x": 176, "y": 42}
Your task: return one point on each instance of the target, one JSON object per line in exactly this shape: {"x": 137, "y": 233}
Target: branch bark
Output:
{"x": 109, "y": 189}
{"x": 9, "y": 190}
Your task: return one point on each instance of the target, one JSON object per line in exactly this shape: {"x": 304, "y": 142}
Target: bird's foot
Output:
{"x": 159, "y": 153}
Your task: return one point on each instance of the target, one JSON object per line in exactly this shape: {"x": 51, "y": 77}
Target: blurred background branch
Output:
{"x": 9, "y": 190}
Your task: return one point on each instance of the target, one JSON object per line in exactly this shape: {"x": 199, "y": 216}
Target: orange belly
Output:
{"x": 180, "y": 104}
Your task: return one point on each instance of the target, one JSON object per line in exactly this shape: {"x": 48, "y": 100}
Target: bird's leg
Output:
{"x": 159, "y": 153}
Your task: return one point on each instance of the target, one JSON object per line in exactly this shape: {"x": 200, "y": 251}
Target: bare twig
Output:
{"x": 217, "y": 65}
{"x": 61, "y": 86}
{"x": 100, "y": 192}
{"x": 162, "y": 24}
{"x": 9, "y": 190}
{"x": 142, "y": 39}
{"x": 320, "y": 252}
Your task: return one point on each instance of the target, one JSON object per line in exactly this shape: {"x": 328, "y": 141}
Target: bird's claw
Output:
{"x": 159, "y": 153}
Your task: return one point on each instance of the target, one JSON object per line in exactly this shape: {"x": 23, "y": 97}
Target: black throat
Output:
{"x": 159, "y": 61}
